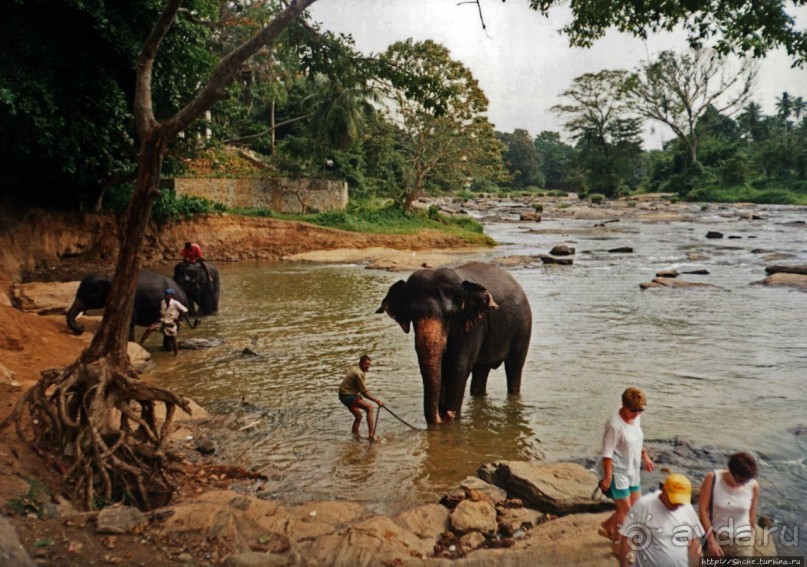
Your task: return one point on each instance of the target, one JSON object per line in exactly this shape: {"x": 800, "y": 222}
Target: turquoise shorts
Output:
{"x": 615, "y": 493}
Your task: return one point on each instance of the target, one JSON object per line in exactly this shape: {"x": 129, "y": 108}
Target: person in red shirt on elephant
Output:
{"x": 191, "y": 253}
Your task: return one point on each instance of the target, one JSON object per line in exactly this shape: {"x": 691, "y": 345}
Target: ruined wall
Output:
{"x": 282, "y": 195}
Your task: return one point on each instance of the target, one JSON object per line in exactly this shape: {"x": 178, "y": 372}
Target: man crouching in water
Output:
{"x": 351, "y": 391}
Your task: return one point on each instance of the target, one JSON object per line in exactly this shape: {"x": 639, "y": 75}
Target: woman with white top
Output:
{"x": 728, "y": 508}
{"x": 622, "y": 457}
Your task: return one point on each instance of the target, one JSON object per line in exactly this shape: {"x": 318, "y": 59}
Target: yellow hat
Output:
{"x": 678, "y": 489}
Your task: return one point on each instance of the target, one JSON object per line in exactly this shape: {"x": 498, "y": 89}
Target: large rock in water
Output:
{"x": 45, "y": 298}
{"x": 784, "y": 279}
{"x": 556, "y": 488}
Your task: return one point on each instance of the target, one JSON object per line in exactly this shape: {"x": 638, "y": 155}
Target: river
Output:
{"x": 723, "y": 368}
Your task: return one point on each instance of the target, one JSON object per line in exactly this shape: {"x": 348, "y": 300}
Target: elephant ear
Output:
{"x": 476, "y": 304}
{"x": 395, "y": 305}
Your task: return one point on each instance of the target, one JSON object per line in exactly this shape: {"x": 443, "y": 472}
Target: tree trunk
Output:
{"x": 272, "y": 129}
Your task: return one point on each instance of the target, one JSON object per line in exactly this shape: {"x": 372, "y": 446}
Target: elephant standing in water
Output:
{"x": 93, "y": 292}
{"x": 200, "y": 289}
{"x": 467, "y": 320}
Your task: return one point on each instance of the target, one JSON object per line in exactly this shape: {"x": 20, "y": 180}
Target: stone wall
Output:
{"x": 282, "y": 195}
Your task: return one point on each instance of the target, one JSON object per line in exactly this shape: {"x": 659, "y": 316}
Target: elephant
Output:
{"x": 200, "y": 290}
{"x": 93, "y": 292}
{"x": 467, "y": 319}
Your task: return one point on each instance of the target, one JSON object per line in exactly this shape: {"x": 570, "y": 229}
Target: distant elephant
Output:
{"x": 467, "y": 320}
{"x": 93, "y": 291}
{"x": 200, "y": 290}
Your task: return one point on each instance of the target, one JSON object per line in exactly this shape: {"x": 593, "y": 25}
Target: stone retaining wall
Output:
{"x": 282, "y": 195}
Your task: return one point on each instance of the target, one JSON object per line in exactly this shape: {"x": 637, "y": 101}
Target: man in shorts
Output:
{"x": 170, "y": 312}
{"x": 352, "y": 389}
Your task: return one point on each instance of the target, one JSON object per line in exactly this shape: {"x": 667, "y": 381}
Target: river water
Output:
{"x": 723, "y": 368}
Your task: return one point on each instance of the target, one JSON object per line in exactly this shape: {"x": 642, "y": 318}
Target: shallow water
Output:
{"x": 724, "y": 368}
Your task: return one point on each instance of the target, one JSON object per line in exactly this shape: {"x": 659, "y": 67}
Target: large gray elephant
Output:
{"x": 200, "y": 289}
{"x": 93, "y": 291}
{"x": 467, "y": 320}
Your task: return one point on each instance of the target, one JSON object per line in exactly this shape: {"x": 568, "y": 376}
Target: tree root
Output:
{"x": 100, "y": 420}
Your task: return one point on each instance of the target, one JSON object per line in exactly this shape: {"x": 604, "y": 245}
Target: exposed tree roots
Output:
{"x": 98, "y": 422}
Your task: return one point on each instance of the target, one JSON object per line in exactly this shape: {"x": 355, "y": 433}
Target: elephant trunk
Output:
{"x": 430, "y": 343}
{"x": 77, "y": 308}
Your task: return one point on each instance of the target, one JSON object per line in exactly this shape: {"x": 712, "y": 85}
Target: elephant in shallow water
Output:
{"x": 467, "y": 320}
{"x": 93, "y": 291}
{"x": 201, "y": 290}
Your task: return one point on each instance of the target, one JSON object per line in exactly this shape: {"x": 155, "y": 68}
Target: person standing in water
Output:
{"x": 352, "y": 392}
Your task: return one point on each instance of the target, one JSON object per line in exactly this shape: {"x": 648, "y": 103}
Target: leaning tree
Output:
{"x": 95, "y": 416}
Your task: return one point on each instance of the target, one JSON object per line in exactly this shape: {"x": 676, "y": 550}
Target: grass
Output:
{"x": 745, "y": 194}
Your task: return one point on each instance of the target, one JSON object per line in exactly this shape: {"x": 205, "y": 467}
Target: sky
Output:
{"x": 521, "y": 60}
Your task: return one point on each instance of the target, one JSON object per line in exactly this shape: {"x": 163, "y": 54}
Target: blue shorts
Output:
{"x": 615, "y": 493}
{"x": 349, "y": 400}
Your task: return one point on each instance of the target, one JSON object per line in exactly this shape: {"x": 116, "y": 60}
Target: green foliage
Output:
{"x": 734, "y": 26}
{"x": 167, "y": 206}
{"x": 34, "y": 501}
{"x": 596, "y": 198}
{"x": 521, "y": 159}
{"x": 746, "y": 194}
{"x": 538, "y": 207}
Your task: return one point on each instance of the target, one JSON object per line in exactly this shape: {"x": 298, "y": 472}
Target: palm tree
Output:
{"x": 784, "y": 107}
{"x": 340, "y": 113}
{"x": 798, "y": 107}
{"x": 750, "y": 120}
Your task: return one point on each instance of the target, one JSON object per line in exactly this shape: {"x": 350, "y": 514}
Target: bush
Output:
{"x": 596, "y": 198}
{"x": 538, "y": 207}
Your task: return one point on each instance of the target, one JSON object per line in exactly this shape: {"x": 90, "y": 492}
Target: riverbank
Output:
{"x": 31, "y": 343}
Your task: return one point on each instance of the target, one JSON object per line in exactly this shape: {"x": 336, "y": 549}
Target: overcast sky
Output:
{"x": 521, "y": 61}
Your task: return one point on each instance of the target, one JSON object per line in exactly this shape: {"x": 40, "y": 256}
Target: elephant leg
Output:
{"x": 479, "y": 380}
{"x": 513, "y": 367}
{"x": 455, "y": 377}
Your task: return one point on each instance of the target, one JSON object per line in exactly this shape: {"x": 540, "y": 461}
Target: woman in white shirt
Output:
{"x": 728, "y": 508}
{"x": 622, "y": 456}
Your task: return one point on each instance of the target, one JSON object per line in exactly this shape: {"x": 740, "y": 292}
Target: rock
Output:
{"x": 674, "y": 283}
{"x": 546, "y": 259}
{"x": 764, "y": 544}
{"x": 570, "y": 540}
{"x": 470, "y": 516}
{"x": 513, "y": 519}
{"x": 185, "y": 558}
{"x": 426, "y": 522}
{"x": 197, "y": 343}
{"x": 206, "y": 446}
{"x": 120, "y": 520}
{"x": 734, "y": 237}
{"x": 472, "y": 540}
{"x": 556, "y": 488}
{"x": 696, "y": 256}
{"x": 530, "y": 216}
{"x": 778, "y": 256}
{"x": 44, "y": 298}
{"x": 621, "y": 250}
{"x": 787, "y": 280}
{"x": 6, "y": 375}
{"x": 672, "y": 273}
{"x": 11, "y": 550}
{"x": 139, "y": 357}
{"x": 256, "y": 559}
{"x": 562, "y": 250}
{"x": 515, "y": 261}
{"x": 786, "y": 270}
{"x": 698, "y": 272}
{"x": 750, "y": 216}
{"x": 460, "y": 492}
{"x": 376, "y": 541}
{"x": 714, "y": 234}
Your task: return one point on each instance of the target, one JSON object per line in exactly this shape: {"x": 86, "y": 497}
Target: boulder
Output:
{"x": 562, "y": 250}
{"x": 472, "y": 540}
{"x": 530, "y": 216}
{"x": 513, "y": 519}
{"x": 474, "y": 516}
{"x": 714, "y": 234}
{"x": 426, "y": 522}
{"x": 376, "y": 541}
{"x": 460, "y": 492}
{"x": 547, "y": 259}
{"x": 556, "y": 488}
{"x": 120, "y": 520}
{"x": 45, "y": 298}
{"x": 621, "y": 250}
{"x": 674, "y": 283}
{"x": 570, "y": 540}
{"x": 802, "y": 270}
{"x": 698, "y": 272}
{"x": 798, "y": 281}
{"x": 139, "y": 357}
{"x": 11, "y": 550}
{"x": 515, "y": 261}
{"x": 671, "y": 273}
